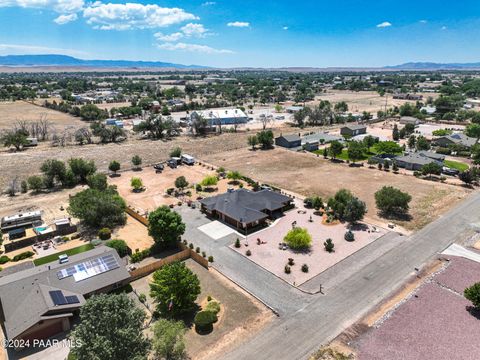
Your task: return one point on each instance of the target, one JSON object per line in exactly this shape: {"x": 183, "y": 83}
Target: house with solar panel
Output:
{"x": 40, "y": 302}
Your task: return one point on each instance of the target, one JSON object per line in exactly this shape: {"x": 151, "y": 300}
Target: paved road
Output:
{"x": 298, "y": 334}
{"x": 458, "y": 250}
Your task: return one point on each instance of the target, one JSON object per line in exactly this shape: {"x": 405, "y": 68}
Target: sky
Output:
{"x": 246, "y": 33}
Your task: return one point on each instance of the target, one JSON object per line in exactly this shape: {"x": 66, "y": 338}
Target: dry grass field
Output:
{"x": 10, "y": 112}
{"x": 308, "y": 175}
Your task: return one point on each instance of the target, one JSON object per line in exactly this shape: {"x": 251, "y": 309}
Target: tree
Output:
{"x": 325, "y": 152}
{"x": 168, "y": 342}
{"x": 82, "y": 168}
{"x": 54, "y": 171}
{"x": 165, "y": 226}
{"x": 200, "y": 125}
{"x": 472, "y": 293}
{"x": 355, "y": 210}
{"x": 235, "y": 176}
{"x": 17, "y": 139}
{"x": 176, "y": 152}
{"x": 136, "y": 161}
{"x": 412, "y": 141}
{"x": 114, "y": 166}
{"x": 119, "y": 245}
{"x": 110, "y": 328}
{"x": 335, "y": 149}
{"x": 395, "y": 133}
{"x": 431, "y": 169}
{"x": 395, "y": 166}
{"x": 175, "y": 289}
{"x": 422, "y": 143}
{"x": 97, "y": 208}
{"x": 252, "y": 141}
{"x": 209, "y": 180}
{"x": 92, "y": 112}
{"x": 369, "y": 141}
{"x": 329, "y": 245}
{"x": 392, "y": 201}
{"x": 97, "y": 181}
{"x": 468, "y": 176}
{"x": 35, "y": 183}
{"x": 136, "y": 183}
{"x": 181, "y": 183}
{"x": 473, "y": 130}
{"x": 298, "y": 238}
{"x": 355, "y": 150}
{"x": 341, "y": 107}
{"x": 388, "y": 147}
{"x": 265, "y": 138}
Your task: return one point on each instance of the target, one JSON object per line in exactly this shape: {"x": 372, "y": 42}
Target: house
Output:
{"x": 220, "y": 117}
{"x": 456, "y": 139}
{"x": 311, "y": 142}
{"x": 415, "y": 161}
{"x": 429, "y": 110}
{"x": 404, "y": 120}
{"x": 245, "y": 209}
{"x": 293, "y": 109}
{"x": 289, "y": 141}
{"x": 353, "y": 130}
{"x": 39, "y": 302}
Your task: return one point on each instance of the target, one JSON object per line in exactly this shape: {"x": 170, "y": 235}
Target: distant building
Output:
{"x": 293, "y": 109}
{"x": 415, "y": 161}
{"x": 220, "y": 117}
{"x": 404, "y": 120}
{"x": 289, "y": 141}
{"x": 456, "y": 139}
{"x": 353, "y": 130}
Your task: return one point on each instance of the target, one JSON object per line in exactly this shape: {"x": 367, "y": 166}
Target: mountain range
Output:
{"x": 64, "y": 60}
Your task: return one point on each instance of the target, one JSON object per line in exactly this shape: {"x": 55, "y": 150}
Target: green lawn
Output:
{"x": 344, "y": 155}
{"x": 69, "y": 252}
{"x": 456, "y": 165}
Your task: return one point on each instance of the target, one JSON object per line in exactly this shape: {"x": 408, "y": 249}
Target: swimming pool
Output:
{"x": 41, "y": 228}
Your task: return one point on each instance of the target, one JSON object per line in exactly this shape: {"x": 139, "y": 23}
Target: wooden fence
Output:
{"x": 149, "y": 268}
{"x": 130, "y": 211}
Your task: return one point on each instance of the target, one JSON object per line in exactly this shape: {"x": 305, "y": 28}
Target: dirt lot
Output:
{"x": 156, "y": 185}
{"x": 435, "y": 322}
{"x": 369, "y": 101}
{"x": 307, "y": 175}
{"x": 135, "y": 235}
{"x": 10, "y": 112}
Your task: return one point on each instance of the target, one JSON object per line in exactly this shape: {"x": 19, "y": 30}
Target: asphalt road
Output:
{"x": 295, "y": 335}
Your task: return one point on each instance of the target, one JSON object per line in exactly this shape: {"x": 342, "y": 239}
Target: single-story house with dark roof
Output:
{"x": 288, "y": 141}
{"x": 456, "y": 139}
{"x": 353, "y": 130}
{"x": 404, "y": 120}
{"x": 415, "y": 161}
{"x": 39, "y": 302}
{"x": 245, "y": 209}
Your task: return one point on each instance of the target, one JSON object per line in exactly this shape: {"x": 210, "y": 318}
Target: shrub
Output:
{"x": 24, "y": 186}
{"x": 119, "y": 245}
{"x": 204, "y": 320}
{"x": 248, "y": 253}
{"x": 328, "y": 244}
{"x": 23, "y": 255}
{"x": 472, "y": 293}
{"x": 204, "y": 254}
{"x": 190, "y": 246}
{"x": 209, "y": 298}
{"x": 237, "y": 243}
{"x": 291, "y": 262}
{"x": 4, "y": 259}
{"x": 305, "y": 268}
{"x": 443, "y": 151}
{"x": 213, "y": 306}
{"x": 298, "y": 238}
{"x": 197, "y": 250}
{"x": 104, "y": 233}
{"x": 349, "y": 236}
{"x": 185, "y": 242}
{"x": 198, "y": 187}
{"x": 210, "y": 259}
{"x": 139, "y": 255}
{"x": 142, "y": 297}
{"x": 288, "y": 270}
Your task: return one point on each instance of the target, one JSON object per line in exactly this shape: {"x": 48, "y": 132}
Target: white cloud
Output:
{"x": 59, "y": 6}
{"x": 133, "y": 16}
{"x": 168, "y": 38}
{"x": 64, "y": 19}
{"x": 209, "y": 3}
{"x": 444, "y": 28}
{"x": 194, "y": 30}
{"x": 384, "y": 24}
{"x": 285, "y": 28}
{"x": 423, "y": 21}
{"x": 193, "y": 48}
{"x": 7, "y": 49}
{"x": 239, "y": 24}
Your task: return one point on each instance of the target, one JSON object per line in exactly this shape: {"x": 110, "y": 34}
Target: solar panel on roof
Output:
{"x": 89, "y": 268}
{"x": 57, "y": 297}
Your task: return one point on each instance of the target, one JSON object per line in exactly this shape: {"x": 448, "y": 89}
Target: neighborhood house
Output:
{"x": 353, "y": 130}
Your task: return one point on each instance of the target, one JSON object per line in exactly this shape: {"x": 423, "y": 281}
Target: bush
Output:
{"x": 237, "y": 243}
{"x": 190, "y": 246}
{"x": 443, "y": 151}
{"x": 198, "y": 187}
{"x": 204, "y": 320}
{"x": 472, "y": 293}
{"x": 298, "y": 238}
{"x": 104, "y": 233}
{"x": 142, "y": 298}
{"x": 288, "y": 270}
{"x": 213, "y": 306}
{"x": 291, "y": 262}
{"x": 305, "y": 268}
{"x": 248, "y": 253}
{"x": 349, "y": 236}
{"x": 197, "y": 250}
{"x": 23, "y": 255}
{"x": 139, "y": 255}
{"x": 204, "y": 254}
{"x": 24, "y": 186}
{"x": 4, "y": 259}
{"x": 328, "y": 244}
{"x": 119, "y": 245}
{"x": 210, "y": 259}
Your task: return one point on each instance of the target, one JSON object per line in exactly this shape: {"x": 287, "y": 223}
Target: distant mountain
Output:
{"x": 64, "y": 60}
{"x": 434, "y": 66}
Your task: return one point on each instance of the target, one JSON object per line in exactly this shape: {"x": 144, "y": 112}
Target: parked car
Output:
{"x": 158, "y": 167}
{"x": 172, "y": 163}
{"x": 450, "y": 171}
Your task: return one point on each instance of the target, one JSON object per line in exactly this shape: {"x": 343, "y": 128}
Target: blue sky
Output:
{"x": 229, "y": 33}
